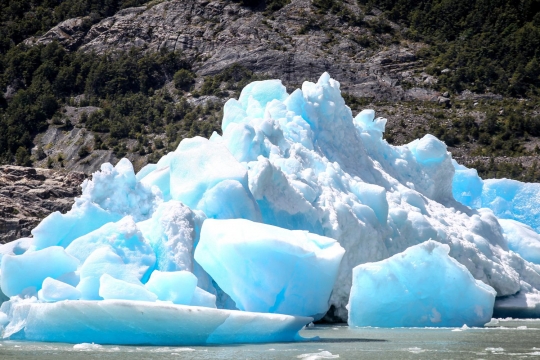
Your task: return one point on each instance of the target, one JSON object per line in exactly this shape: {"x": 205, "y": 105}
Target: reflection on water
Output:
{"x": 501, "y": 340}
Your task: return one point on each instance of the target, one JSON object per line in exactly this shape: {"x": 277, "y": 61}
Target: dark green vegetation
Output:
{"x": 479, "y": 45}
{"x": 488, "y": 45}
{"x": 127, "y": 87}
{"x": 232, "y": 78}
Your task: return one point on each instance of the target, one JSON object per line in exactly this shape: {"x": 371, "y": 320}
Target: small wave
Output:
{"x": 87, "y": 346}
{"x": 316, "y": 356}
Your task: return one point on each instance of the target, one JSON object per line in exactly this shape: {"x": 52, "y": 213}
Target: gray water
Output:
{"x": 518, "y": 339}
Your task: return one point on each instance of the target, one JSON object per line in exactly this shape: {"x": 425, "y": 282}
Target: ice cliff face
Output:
{"x": 312, "y": 166}
{"x": 299, "y": 161}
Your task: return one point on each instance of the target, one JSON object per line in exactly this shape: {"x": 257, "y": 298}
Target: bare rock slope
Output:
{"x": 27, "y": 195}
{"x": 296, "y": 43}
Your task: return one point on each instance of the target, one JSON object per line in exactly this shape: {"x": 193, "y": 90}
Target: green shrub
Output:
{"x": 83, "y": 152}
{"x": 488, "y": 44}
{"x": 183, "y": 79}
{"x": 22, "y": 157}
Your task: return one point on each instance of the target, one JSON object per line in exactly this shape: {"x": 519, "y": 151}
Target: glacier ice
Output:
{"x": 26, "y": 272}
{"x": 204, "y": 174}
{"x": 297, "y": 161}
{"x": 419, "y": 287}
{"x": 124, "y": 238}
{"x": 508, "y": 199}
{"x": 264, "y": 268}
{"x": 176, "y": 286}
{"x": 522, "y": 239}
{"x": 172, "y": 231}
{"x": 115, "y": 289}
{"x": 56, "y": 290}
{"x": 143, "y": 323}
{"x": 103, "y": 261}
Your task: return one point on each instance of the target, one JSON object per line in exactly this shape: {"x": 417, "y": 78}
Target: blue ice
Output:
{"x": 146, "y": 323}
{"x": 423, "y": 286}
{"x": 24, "y": 274}
{"x": 508, "y": 199}
{"x": 264, "y": 268}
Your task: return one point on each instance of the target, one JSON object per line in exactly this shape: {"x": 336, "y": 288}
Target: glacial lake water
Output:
{"x": 519, "y": 339}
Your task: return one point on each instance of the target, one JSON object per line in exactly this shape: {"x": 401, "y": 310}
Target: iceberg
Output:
{"x": 271, "y": 216}
{"x": 419, "y": 287}
{"x": 177, "y": 286}
{"x": 147, "y": 323}
{"x": 268, "y": 269}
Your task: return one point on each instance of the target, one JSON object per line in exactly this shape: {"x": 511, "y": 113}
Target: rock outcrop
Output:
{"x": 69, "y": 33}
{"x": 296, "y": 43}
{"x": 27, "y": 195}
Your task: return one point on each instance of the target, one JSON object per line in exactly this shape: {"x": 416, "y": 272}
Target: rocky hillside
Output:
{"x": 135, "y": 82}
{"x": 377, "y": 64}
{"x": 27, "y": 195}
{"x": 299, "y": 42}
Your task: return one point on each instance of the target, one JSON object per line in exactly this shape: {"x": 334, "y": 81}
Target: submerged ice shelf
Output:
{"x": 147, "y": 323}
{"x": 271, "y": 216}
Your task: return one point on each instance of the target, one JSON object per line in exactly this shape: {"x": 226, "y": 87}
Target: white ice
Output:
{"x": 522, "y": 239}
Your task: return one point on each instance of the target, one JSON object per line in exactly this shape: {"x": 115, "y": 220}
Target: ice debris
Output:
{"x": 317, "y": 356}
{"x": 297, "y": 161}
{"x": 87, "y": 346}
{"x": 422, "y": 286}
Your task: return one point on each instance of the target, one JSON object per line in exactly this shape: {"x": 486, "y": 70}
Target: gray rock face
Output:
{"x": 28, "y": 195}
{"x": 66, "y": 145}
{"x": 69, "y": 33}
{"x": 295, "y": 44}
